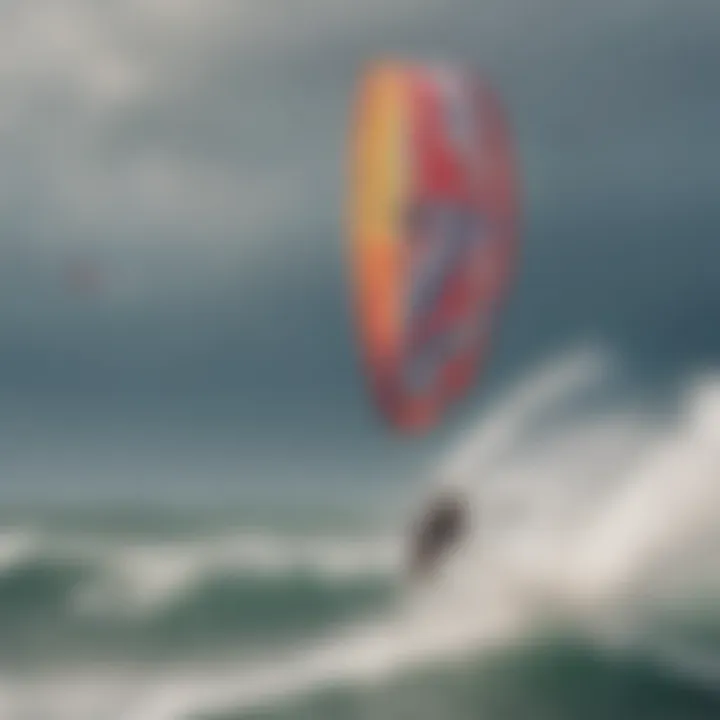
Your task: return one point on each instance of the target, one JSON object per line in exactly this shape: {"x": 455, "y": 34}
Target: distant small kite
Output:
{"x": 83, "y": 277}
{"x": 433, "y": 233}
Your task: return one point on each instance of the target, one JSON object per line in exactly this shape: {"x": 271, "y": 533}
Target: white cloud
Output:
{"x": 76, "y": 74}
{"x": 64, "y": 46}
{"x": 130, "y": 122}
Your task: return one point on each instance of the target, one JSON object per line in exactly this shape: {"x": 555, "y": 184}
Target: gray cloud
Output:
{"x": 188, "y": 122}
{"x": 193, "y": 152}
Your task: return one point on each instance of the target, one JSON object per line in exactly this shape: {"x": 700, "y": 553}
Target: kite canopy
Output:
{"x": 433, "y": 234}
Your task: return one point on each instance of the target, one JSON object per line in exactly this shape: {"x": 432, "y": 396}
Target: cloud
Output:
{"x": 207, "y": 122}
{"x": 127, "y": 122}
{"x": 194, "y": 150}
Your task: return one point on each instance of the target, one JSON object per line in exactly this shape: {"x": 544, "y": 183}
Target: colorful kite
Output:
{"x": 433, "y": 234}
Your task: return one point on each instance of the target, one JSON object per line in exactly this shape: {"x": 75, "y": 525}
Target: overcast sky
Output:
{"x": 191, "y": 152}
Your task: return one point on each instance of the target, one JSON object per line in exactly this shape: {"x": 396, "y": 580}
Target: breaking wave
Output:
{"x": 593, "y": 567}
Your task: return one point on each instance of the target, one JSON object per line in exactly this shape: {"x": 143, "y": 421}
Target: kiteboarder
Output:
{"x": 441, "y": 528}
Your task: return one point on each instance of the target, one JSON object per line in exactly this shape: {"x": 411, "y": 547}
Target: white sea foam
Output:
{"x": 149, "y": 578}
{"x": 132, "y": 577}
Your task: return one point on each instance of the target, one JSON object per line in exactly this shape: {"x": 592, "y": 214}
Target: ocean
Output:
{"x": 600, "y": 603}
